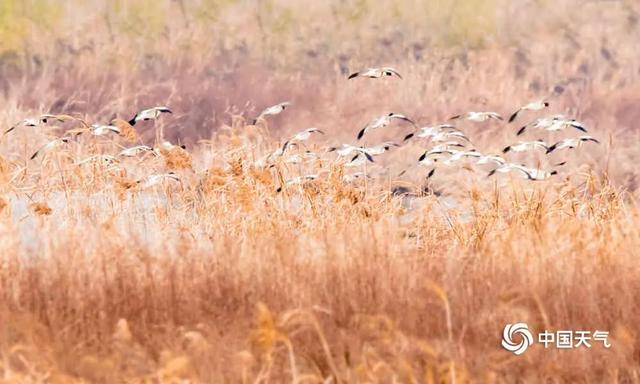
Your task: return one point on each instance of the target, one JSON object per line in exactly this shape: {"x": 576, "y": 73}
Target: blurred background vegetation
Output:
{"x": 38, "y": 30}
{"x": 261, "y": 29}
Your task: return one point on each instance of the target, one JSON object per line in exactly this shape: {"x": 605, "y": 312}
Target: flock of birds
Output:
{"x": 450, "y": 145}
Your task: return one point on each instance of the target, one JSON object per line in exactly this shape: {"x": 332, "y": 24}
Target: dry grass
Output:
{"x": 220, "y": 278}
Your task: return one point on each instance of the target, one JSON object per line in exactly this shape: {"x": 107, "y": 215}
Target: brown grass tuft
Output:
{"x": 176, "y": 158}
{"x": 127, "y": 131}
{"x": 41, "y": 209}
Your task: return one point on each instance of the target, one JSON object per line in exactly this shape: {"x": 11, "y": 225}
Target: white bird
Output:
{"x": 99, "y": 159}
{"x": 272, "y": 110}
{"x": 523, "y": 146}
{"x": 297, "y": 158}
{"x": 478, "y": 117}
{"x": 271, "y": 157}
{"x": 428, "y": 132}
{"x": 381, "y": 122}
{"x": 301, "y": 136}
{"x": 527, "y": 173}
{"x": 540, "y": 174}
{"x": 34, "y": 122}
{"x": 149, "y": 114}
{"x": 154, "y": 180}
{"x": 561, "y": 124}
{"x": 103, "y": 130}
{"x": 299, "y": 180}
{"x": 533, "y": 106}
{"x": 446, "y": 147}
{"x": 459, "y": 155}
{"x": 55, "y": 143}
{"x": 486, "y": 159}
{"x": 540, "y": 123}
{"x": 45, "y": 118}
{"x": 571, "y": 143}
{"x": 553, "y": 123}
{"x": 136, "y": 150}
{"x": 444, "y": 136}
{"x": 25, "y": 123}
{"x": 346, "y": 150}
{"x": 378, "y": 149}
{"x": 430, "y": 157}
{"x": 510, "y": 167}
{"x": 376, "y": 73}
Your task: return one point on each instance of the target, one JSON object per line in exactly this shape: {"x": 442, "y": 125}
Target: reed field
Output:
{"x": 213, "y": 244}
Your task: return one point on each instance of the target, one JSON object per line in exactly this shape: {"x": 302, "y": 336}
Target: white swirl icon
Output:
{"x": 516, "y": 329}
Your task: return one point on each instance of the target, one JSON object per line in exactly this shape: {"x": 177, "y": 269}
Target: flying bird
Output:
{"x": 301, "y": 136}
{"x": 447, "y": 146}
{"x": 523, "y": 146}
{"x": 444, "y": 136}
{"x": 346, "y": 150}
{"x": 533, "y": 106}
{"x": 382, "y": 122}
{"x": 98, "y": 159}
{"x": 540, "y": 174}
{"x": 376, "y": 73}
{"x": 300, "y": 158}
{"x": 299, "y": 180}
{"x": 55, "y": 143}
{"x": 378, "y": 149}
{"x": 149, "y": 114}
{"x": 137, "y": 150}
{"x": 532, "y": 174}
{"x": 103, "y": 130}
{"x": 486, "y": 159}
{"x": 43, "y": 119}
{"x": 156, "y": 179}
{"x": 430, "y": 157}
{"x": 571, "y": 143}
{"x": 429, "y": 132}
{"x": 29, "y": 122}
{"x": 459, "y": 155}
{"x": 510, "y": 167}
{"x": 553, "y": 123}
{"x": 478, "y": 117}
{"x": 272, "y": 111}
